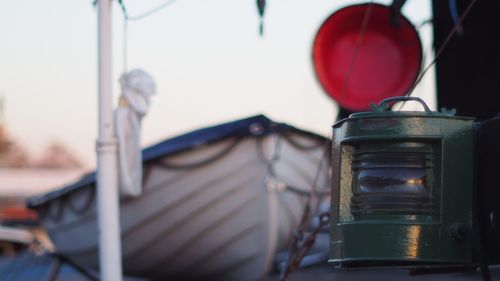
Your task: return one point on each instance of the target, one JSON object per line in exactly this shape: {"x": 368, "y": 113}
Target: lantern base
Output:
{"x": 375, "y": 244}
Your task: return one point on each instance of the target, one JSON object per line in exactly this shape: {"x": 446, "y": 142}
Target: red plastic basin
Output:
{"x": 357, "y": 66}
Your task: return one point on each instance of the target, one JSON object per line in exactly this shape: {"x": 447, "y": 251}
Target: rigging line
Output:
{"x": 294, "y": 250}
{"x": 127, "y": 17}
{"x": 125, "y": 34}
{"x": 125, "y": 44}
{"x": 362, "y": 31}
{"x": 219, "y": 155}
{"x": 152, "y": 11}
{"x": 455, "y": 29}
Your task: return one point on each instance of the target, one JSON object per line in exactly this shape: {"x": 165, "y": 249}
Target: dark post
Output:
{"x": 468, "y": 71}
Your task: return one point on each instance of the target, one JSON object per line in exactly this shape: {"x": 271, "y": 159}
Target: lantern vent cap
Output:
{"x": 383, "y": 110}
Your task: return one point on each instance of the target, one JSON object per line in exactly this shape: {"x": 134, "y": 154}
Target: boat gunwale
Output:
{"x": 240, "y": 128}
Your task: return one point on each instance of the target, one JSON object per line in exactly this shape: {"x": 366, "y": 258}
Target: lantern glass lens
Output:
{"x": 395, "y": 180}
{"x": 392, "y": 179}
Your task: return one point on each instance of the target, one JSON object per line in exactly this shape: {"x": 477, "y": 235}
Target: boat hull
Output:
{"x": 222, "y": 220}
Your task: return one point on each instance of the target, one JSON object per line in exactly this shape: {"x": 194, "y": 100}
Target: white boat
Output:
{"x": 217, "y": 204}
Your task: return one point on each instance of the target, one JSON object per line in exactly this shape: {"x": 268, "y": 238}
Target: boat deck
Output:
{"x": 28, "y": 267}
{"x": 327, "y": 273}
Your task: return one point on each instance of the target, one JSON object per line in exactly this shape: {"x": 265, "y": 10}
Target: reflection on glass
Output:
{"x": 391, "y": 180}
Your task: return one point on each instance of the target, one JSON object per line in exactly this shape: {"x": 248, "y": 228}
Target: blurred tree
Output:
{"x": 12, "y": 155}
{"x": 57, "y": 155}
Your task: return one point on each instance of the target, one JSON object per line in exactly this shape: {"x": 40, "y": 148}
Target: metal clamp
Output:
{"x": 384, "y": 104}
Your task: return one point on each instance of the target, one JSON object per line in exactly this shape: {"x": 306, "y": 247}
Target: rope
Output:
{"x": 82, "y": 270}
{"x": 125, "y": 34}
{"x": 272, "y": 177}
{"x": 55, "y": 269}
{"x": 127, "y": 17}
{"x": 151, "y": 11}
{"x": 42, "y": 212}
{"x": 362, "y": 31}
{"x": 298, "y": 145}
{"x": 201, "y": 163}
{"x": 276, "y": 153}
{"x": 60, "y": 206}
{"x": 84, "y": 208}
{"x": 125, "y": 44}
{"x": 455, "y": 29}
{"x": 296, "y": 253}
{"x": 16, "y": 268}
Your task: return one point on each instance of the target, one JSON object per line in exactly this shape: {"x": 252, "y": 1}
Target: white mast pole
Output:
{"x": 107, "y": 173}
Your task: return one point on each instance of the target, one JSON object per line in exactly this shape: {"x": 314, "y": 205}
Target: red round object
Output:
{"x": 361, "y": 58}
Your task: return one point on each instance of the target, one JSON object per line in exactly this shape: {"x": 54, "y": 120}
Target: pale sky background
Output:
{"x": 206, "y": 56}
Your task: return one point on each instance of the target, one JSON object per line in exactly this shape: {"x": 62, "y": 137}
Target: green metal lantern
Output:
{"x": 402, "y": 189}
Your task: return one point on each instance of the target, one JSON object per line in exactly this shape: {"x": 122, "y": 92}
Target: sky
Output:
{"x": 206, "y": 56}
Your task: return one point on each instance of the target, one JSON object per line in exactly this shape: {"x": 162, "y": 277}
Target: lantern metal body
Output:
{"x": 402, "y": 189}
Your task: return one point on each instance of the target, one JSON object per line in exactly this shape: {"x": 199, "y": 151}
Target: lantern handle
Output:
{"x": 384, "y": 104}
